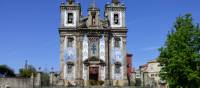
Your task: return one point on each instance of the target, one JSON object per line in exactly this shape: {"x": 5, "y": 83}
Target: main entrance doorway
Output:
{"x": 93, "y": 73}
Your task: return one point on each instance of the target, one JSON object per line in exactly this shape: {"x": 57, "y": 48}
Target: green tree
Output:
{"x": 6, "y": 71}
{"x": 27, "y": 72}
{"x": 180, "y": 55}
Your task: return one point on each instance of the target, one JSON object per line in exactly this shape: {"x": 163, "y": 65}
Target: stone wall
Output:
{"x": 19, "y": 82}
{"x": 16, "y": 83}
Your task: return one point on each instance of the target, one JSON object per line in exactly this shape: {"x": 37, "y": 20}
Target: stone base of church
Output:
{"x": 119, "y": 83}
{"x": 74, "y": 83}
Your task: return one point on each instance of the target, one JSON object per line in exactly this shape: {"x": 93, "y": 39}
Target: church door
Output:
{"x": 94, "y": 73}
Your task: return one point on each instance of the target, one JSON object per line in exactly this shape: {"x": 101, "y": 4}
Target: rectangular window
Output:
{"x": 69, "y": 69}
{"x": 70, "y": 42}
{"x": 117, "y": 42}
{"x": 70, "y": 18}
{"x": 117, "y": 69}
{"x": 116, "y": 18}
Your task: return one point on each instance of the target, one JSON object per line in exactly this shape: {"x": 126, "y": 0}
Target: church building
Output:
{"x": 92, "y": 47}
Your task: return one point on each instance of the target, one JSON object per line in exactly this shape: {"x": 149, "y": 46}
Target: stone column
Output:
{"x": 38, "y": 79}
{"x": 76, "y": 59}
{"x": 108, "y": 46}
{"x": 79, "y": 59}
{"x": 62, "y": 16}
{"x": 110, "y": 57}
{"x": 32, "y": 80}
{"x": 125, "y": 61}
{"x": 106, "y": 57}
{"x": 51, "y": 80}
{"x": 80, "y": 49}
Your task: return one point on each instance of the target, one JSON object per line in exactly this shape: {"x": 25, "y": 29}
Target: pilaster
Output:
{"x": 106, "y": 58}
{"x": 124, "y": 55}
{"x": 62, "y": 62}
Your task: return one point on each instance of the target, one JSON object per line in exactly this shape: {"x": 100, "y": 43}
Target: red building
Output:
{"x": 129, "y": 66}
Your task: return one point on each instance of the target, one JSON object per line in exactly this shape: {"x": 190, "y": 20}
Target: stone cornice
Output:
{"x": 77, "y": 7}
{"x": 111, "y": 8}
{"x": 93, "y": 30}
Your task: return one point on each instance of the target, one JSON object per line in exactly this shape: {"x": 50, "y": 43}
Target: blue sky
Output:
{"x": 29, "y": 29}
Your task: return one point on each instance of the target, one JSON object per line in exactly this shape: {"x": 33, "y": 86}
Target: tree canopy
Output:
{"x": 180, "y": 55}
{"x": 6, "y": 71}
{"x": 27, "y": 72}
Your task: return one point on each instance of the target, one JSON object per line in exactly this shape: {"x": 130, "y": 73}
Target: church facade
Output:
{"x": 91, "y": 47}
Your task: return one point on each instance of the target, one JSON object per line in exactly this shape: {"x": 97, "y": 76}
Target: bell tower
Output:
{"x": 93, "y": 15}
{"x": 70, "y": 14}
{"x": 116, "y": 14}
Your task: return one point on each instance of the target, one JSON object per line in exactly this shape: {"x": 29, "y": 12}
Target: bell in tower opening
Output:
{"x": 93, "y": 13}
